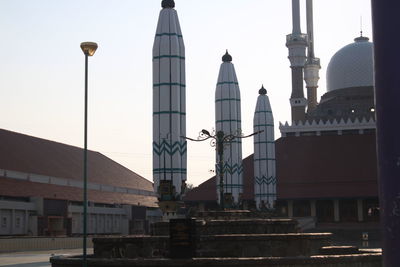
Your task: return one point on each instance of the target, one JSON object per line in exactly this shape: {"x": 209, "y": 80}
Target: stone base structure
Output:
{"x": 242, "y": 241}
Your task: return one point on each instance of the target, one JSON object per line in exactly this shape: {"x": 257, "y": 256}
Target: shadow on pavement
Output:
{"x": 35, "y": 264}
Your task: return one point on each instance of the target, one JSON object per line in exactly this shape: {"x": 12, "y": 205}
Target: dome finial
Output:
{"x": 262, "y": 91}
{"x": 168, "y": 4}
{"x": 361, "y": 38}
{"x": 226, "y": 57}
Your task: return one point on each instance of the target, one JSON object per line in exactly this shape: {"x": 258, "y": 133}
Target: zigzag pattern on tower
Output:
{"x": 227, "y": 168}
{"x": 264, "y": 180}
{"x": 170, "y": 148}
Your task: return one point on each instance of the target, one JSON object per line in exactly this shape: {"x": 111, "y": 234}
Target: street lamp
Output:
{"x": 88, "y": 48}
{"x": 218, "y": 141}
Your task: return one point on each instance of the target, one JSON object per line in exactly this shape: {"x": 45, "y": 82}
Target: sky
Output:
{"x": 42, "y": 67}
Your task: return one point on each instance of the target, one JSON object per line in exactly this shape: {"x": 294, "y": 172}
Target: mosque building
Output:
{"x": 326, "y": 157}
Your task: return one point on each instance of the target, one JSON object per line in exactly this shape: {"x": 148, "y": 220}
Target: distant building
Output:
{"x": 41, "y": 190}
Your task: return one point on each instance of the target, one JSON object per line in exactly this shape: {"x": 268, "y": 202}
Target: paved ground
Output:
{"x": 35, "y": 258}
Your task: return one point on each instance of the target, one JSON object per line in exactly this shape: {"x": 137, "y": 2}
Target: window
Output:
{"x": 4, "y": 222}
{"x": 18, "y": 222}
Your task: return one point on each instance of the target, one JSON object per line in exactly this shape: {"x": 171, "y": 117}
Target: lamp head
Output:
{"x": 206, "y": 132}
{"x": 89, "y": 48}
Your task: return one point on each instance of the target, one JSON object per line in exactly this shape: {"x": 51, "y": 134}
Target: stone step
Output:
{"x": 339, "y": 250}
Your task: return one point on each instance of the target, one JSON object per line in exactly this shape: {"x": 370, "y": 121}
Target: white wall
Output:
{"x": 100, "y": 220}
{"x": 15, "y": 218}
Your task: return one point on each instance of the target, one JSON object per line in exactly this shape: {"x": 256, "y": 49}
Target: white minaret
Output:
{"x": 228, "y": 120}
{"x": 296, "y": 42}
{"x": 169, "y": 111}
{"x": 264, "y": 153}
{"x": 312, "y": 66}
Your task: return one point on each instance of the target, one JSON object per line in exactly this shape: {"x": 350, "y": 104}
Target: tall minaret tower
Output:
{"x": 264, "y": 153}
{"x": 297, "y": 43}
{"x": 228, "y": 120}
{"x": 312, "y": 66}
{"x": 169, "y": 111}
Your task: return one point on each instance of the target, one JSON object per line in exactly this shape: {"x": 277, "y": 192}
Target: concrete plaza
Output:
{"x": 35, "y": 258}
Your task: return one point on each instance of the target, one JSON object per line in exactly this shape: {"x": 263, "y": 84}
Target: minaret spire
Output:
{"x": 296, "y": 17}
{"x": 169, "y": 110}
{"x": 264, "y": 153}
{"x": 312, "y": 66}
{"x": 296, "y": 42}
{"x": 228, "y": 120}
{"x": 310, "y": 28}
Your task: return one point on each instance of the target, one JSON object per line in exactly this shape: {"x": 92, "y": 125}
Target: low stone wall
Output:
{"x": 358, "y": 260}
{"x": 262, "y": 245}
{"x": 248, "y": 226}
{"x": 13, "y": 244}
{"x": 131, "y": 247}
{"x": 232, "y": 245}
{"x": 224, "y": 214}
{"x": 240, "y": 226}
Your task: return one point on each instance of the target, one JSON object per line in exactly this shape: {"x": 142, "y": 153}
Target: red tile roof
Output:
{"x": 28, "y": 154}
{"x": 18, "y": 188}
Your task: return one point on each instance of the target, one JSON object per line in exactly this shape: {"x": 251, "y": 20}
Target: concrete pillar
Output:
{"x": 313, "y": 205}
{"x": 336, "y": 211}
{"x": 360, "y": 210}
{"x": 290, "y": 208}
{"x": 26, "y": 222}
{"x": 13, "y": 221}
{"x": 385, "y": 18}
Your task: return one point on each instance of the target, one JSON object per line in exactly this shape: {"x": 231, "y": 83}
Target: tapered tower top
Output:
{"x": 168, "y": 4}
{"x": 227, "y": 57}
{"x": 262, "y": 91}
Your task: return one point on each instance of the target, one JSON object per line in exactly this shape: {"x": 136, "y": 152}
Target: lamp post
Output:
{"x": 218, "y": 141}
{"x": 88, "y": 48}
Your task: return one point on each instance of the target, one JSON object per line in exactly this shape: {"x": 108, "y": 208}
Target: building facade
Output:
{"x": 41, "y": 190}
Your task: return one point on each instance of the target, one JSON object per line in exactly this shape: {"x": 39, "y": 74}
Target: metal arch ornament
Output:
{"x": 218, "y": 140}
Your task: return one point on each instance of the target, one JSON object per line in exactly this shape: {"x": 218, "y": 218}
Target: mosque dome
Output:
{"x": 351, "y": 66}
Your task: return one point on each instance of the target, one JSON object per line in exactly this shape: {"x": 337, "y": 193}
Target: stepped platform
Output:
{"x": 224, "y": 238}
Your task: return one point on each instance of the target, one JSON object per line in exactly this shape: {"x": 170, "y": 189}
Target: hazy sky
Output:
{"x": 42, "y": 67}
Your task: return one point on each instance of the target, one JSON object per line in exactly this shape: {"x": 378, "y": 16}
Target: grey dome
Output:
{"x": 351, "y": 66}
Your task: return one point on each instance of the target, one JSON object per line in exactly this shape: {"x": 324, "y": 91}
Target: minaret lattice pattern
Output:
{"x": 264, "y": 153}
{"x": 169, "y": 111}
{"x": 228, "y": 120}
